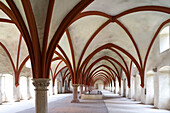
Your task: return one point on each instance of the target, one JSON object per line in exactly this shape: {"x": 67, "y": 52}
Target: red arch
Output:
{"x": 105, "y": 66}
{"x": 65, "y": 61}
{"x": 61, "y": 29}
{"x": 100, "y": 72}
{"x": 57, "y": 74}
{"x": 90, "y": 67}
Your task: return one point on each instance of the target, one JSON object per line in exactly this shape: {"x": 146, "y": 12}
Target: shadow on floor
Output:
{"x": 110, "y": 97}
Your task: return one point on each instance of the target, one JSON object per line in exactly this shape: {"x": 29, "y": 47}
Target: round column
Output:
{"x": 86, "y": 88}
{"x": 81, "y": 90}
{"x": 75, "y": 94}
{"x": 41, "y": 103}
{"x": 28, "y": 88}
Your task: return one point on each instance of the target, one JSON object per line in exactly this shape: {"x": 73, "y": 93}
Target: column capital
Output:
{"x": 81, "y": 84}
{"x": 41, "y": 83}
{"x": 75, "y": 85}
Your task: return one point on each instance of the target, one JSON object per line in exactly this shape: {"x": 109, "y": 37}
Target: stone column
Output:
{"x": 143, "y": 96}
{"x": 120, "y": 91}
{"x": 81, "y": 90}
{"x": 57, "y": 86}
{"x": 60, "y": 87}
{"x": 137, "y": 88}
{"x": 133, "y": 86}
{"x": 156, "y": 89}
{"x": 16, "y": 92}
{"x": 75, "y": 97}
{"x": 129, "y": 93}
{"x": 110, "y": 88}
{"x": 114, "y": 87}
{"x": 41, "y": 103}
{"x": 86, "y": 88}
{"x": 114, "y": 91}
{"x": 28, "y": 88}
{"x": 53, "y": 91}
{"x": 63, "y": 89}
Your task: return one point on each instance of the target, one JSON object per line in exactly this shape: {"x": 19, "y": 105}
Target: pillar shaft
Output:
{"x": 53, "y": 91}
{"x": 86, "y": 88}
{"x": 63, "y": 89}
{"x": 16, "y": 92}
{"x": 81, "y": 90}
{"x": 120, "y": 91}
{"x": 41, "y": 103}
{"x": 28, "y": 88}
{"x": 75, "y": 97}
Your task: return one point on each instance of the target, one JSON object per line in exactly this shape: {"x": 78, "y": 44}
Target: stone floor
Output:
{"x": 117, "y": 104}
{"x": 60, "y": 103}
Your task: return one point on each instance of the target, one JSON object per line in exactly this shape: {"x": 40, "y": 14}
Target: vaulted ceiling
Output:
{"x": 104, "y": 38}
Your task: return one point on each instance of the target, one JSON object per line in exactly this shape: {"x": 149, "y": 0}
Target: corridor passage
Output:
{"x": 111, "y": 103}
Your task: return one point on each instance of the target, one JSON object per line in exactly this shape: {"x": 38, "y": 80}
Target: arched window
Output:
{"x": 164, "y": 39}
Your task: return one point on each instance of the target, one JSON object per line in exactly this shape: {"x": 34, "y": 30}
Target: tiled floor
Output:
{"x": 111, "y": 103}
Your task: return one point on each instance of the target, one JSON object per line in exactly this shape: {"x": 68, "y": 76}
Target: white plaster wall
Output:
{"x": 23, "y": 87}
{"x": 3, "y": 88}
{"x": 29, "y": 96}
{"x": 0, "y": 88}
{"x": 149, "y": 88}
{"x": 55, "y": 88}
{"x": 164, "y": 90}
{"x": 32, "y": 87}
{"x": 50, "y": 88}
{"x": 8, "y": 88}
{"x": 157, "y": 59}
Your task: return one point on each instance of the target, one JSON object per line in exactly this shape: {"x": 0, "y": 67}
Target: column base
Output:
{"x": 29, "y": 98}
{"x": 17, "y": 101}
{"x": 75, "y": 101}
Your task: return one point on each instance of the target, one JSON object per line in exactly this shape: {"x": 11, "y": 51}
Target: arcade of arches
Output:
{"x": 59, "y": 45}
